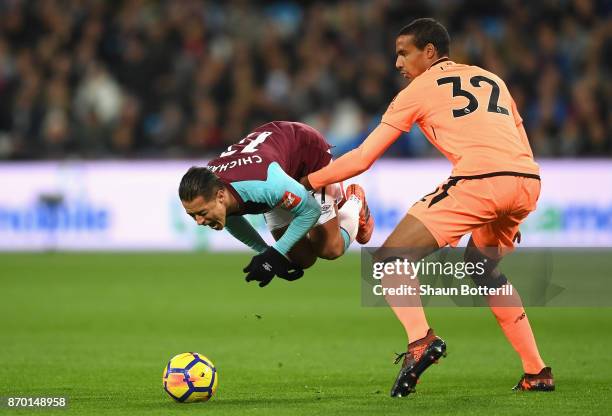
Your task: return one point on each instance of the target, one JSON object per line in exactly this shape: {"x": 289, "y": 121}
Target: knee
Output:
{"x": 388, "y": 254}
{"x": 472, "y": 255}
{"x": 487, "y": 274}
{"x": 303, "y": 260}
{"x": 331, "y": 251}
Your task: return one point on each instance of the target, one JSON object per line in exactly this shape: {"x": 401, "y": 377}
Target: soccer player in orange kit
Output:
{"x": 468, "y": 114}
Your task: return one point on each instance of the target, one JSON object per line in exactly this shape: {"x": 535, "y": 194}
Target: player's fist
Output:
{"x": 264, "y": 266}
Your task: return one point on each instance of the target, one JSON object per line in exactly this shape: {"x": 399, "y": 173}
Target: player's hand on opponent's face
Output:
{"x": 263, "y": 267}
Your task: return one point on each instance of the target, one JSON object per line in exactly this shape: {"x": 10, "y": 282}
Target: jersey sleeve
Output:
{"x": 405, "y": 109}
{"x": 242, "y": 229}
{"x": 279, "y": 189}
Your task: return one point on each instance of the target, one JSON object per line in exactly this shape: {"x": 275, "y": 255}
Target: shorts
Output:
{"x": 490, "y": 206}
{"x": 328, "y": 196}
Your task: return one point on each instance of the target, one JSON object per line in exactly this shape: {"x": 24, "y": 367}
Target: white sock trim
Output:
{"x": 348, "y": 216}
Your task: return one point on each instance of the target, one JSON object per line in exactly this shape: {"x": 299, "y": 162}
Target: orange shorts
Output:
{"x": 490, "y": 207}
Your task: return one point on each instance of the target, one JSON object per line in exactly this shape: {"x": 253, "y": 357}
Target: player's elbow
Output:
{"x": 368, "y": 164}
{"x": 364, "y": 163}
{"x": 360, "y": 168}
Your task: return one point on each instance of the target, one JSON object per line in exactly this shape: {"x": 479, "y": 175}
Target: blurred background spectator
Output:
{"x": 185, "y": 78}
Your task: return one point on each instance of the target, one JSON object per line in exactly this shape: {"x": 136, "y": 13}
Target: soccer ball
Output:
{"x": 190, "y": 377}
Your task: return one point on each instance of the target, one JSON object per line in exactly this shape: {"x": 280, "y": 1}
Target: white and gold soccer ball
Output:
{"x": 190, "y": 377}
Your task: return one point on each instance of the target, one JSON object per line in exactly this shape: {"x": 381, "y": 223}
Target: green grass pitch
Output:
{"x": 99, "y": 328}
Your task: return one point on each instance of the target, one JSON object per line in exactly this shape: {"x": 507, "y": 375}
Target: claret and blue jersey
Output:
{"x": 262, "y": 172}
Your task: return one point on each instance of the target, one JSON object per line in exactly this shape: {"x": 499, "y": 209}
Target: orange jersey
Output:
{"x": 468, "y": 114}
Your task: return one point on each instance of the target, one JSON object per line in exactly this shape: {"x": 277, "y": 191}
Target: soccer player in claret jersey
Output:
{"x": 467, "y": 113}
{"x": 259, "y": 175}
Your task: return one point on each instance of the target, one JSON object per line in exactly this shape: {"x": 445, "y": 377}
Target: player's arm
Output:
{"x": 403, "y": 111}
{"x": 357, "y": 160}
{"x": 288, "y": 193}
{"x": 241, "y": 228}
{"x": 279, "y": 189}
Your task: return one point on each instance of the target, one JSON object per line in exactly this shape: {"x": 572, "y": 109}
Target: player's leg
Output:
{"x": 440, "y": 218}
{"x": 510, "y": 313}
{"x": 337, "y": 228}
{"x": 491, "y": 242}
{"x": 328, "y": 240}
{"x": 366, "y": 220}
{"x": 508, "y": 309}
{"x": 412, "y": 241}
{"x": 302, "y": 253}
{"x": 429, "y": 225}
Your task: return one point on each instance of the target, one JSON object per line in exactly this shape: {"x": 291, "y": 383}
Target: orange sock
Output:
{"x": 514, "y": 322}
{"x": 408, "y": 309}
{"x": 414, "y": 321}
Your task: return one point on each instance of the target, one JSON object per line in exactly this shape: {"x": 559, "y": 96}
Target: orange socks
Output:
{"x": 408, "y": 309}
{"x": 508, "y": 311}
{"x": 515, "y": 324}
{"x": 414, "y": 321}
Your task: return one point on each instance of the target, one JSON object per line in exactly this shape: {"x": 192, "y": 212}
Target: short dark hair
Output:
{"x": 427, "y": 30}
{"x": 199, "y": 181}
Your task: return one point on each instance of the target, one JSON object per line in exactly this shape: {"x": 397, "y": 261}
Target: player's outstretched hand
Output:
{"x": 264, "y": 266}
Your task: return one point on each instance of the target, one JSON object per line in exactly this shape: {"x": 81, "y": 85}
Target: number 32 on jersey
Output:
{"x": 475, "y": 81}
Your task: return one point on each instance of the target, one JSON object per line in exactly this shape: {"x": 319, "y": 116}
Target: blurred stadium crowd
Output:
{"x": 137, "y": 78}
